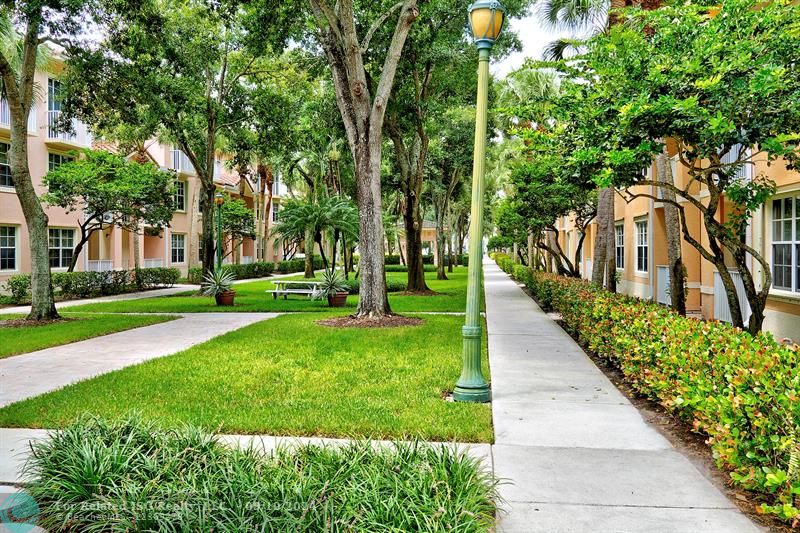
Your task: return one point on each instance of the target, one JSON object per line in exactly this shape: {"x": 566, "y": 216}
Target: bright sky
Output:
{"x": 534, "y": 36}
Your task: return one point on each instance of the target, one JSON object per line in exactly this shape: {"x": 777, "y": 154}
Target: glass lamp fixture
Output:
{"x": 486, "y": 19}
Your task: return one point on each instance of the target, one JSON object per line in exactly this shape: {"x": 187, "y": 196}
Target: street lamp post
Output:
{"x": 486, "y": 19}
{"x": 219, "y": 200}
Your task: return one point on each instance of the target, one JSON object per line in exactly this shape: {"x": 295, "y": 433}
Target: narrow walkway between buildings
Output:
{"x": 27, "y": 375}
{"x": 576, "y": 453}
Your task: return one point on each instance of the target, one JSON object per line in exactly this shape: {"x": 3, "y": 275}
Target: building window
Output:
{"x": 275, "y": 186}
{"x": 56, "y": 160}
{"x": 178, "y": 248}
{"x": 619, "y": 245}
{"x": 53, "y": 95}
{"x": 62, "y": 241}
{"x": 786, "y": 244}
{"x": 642, "y": 246}
{"x": 8, "y": 248}
{"x": 180, "y": 196}
{"x": 5, "y": 168}
{"x": 275, "y": 210}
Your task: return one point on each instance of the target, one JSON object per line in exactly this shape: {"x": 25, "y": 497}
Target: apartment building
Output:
{"x": 113, "y": 248}
{"x": 641, "y": 250}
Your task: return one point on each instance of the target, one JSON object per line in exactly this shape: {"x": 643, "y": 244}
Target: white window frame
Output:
{"x": 61, "y": 247}
{"x": 275, "y": 212}
{"x": 793, "y": 243}
{"x": 16, "y": 248}
{"x": 173, "y": 249}
{"x": 180, "y": 185}
{"x": 63, "y": 158}
{"x": 10, "y": 185}
{"x": 619, "y": 244}
{"x": 642, "y": 241}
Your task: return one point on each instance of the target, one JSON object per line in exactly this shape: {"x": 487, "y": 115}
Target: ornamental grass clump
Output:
{"x": 131, "y": 475}
{"x": 742, "y": 391}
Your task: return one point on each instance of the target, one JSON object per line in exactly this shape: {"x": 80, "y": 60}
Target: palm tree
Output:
{"x": 303, "y": 220}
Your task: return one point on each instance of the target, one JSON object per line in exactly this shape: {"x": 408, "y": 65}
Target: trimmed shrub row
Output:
{"x": 259, "y": 269}
{"x": 85, "y": 284}
{"x": 743, "y": 392}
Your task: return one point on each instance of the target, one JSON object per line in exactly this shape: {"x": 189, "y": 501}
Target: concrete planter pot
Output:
{"x": 225, "y": 298}
{"x": 338, "y": 300}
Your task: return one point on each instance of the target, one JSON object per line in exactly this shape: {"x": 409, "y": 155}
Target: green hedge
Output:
{"x": 84, "y": 284}
{"x": 404, "y": 268}
{"x": 260, "y": 269}
{"x": 743, "y": 392}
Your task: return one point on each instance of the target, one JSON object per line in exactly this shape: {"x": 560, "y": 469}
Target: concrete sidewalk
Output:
{"x": 26, "y": 375}
{"x": 578, "y": 456}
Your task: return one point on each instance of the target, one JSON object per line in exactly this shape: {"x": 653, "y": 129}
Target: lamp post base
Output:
{"x": 477, "y": 395}
{"x": 471, "y": 387}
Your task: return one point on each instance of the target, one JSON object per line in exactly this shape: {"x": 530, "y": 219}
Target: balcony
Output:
{"x": 179, "y": 162}
{"x": 5, "y": 118}
{"x": 100, "y": 266}
{"x": 80, "y": 138}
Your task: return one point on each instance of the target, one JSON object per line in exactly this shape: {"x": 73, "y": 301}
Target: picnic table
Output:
{"x": 286, "y": 287}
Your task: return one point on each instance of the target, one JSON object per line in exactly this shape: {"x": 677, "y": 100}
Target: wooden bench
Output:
{"x": 285, "y": 288}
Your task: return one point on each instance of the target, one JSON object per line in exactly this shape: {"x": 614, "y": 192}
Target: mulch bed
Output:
{"x": 25, "y": 323}
{"x": 389, "y": 321}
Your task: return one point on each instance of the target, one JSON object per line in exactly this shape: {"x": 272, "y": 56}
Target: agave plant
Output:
{"x": 333, "y": 282}
{"x": 217, "y": 282}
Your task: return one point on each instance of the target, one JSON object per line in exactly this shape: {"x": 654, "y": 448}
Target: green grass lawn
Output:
{"x": 251, "y": 297}
{"x": 289, "y": 376}
{"x": 17, "y": 340}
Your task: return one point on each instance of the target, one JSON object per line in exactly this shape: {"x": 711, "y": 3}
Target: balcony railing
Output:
{"x": 5, "y": 116}
{"x": 153, "y": 263}
{"x": 100, "y": 266}
{"x": 745, "y": 171}
{"x": 81, "y": 134}
{"x": 180, "y": 162}
{"x": 722, "y": 310}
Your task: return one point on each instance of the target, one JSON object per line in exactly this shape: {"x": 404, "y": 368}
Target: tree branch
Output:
{"x": 377, "y": 24}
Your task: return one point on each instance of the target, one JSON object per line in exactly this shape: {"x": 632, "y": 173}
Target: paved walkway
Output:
{"x": 23, "y": 376}
{"x": 578, "y": 455}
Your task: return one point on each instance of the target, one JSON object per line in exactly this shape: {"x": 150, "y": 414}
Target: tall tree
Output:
{"x": 24, "y": 28}
{"x": 363, "y": 83}
{"x": 110, "y": 191}
{"x": 436, "y": 73}
{"x": 179, "y": 70}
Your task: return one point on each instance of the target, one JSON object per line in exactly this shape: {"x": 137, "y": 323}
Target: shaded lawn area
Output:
{"x": 24, "y": 339}
{"x": 289, "y": 376}
{"x": 251, "y": 297}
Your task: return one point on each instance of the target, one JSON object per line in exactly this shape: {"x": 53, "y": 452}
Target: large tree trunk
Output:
{"x": 440, "y": 247}
{"x": 412, "y": 219}
{"x": 611, "y": 251}
{"x": 136, "y": 250}
{"x": 373, "y": 301}
{"x": 363, "y": 117}
{"x": 601, "y": 235}
{"x": 207, "y": 240}
{"x": 18, "y": 89}
{"x": 677, "y": 271}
